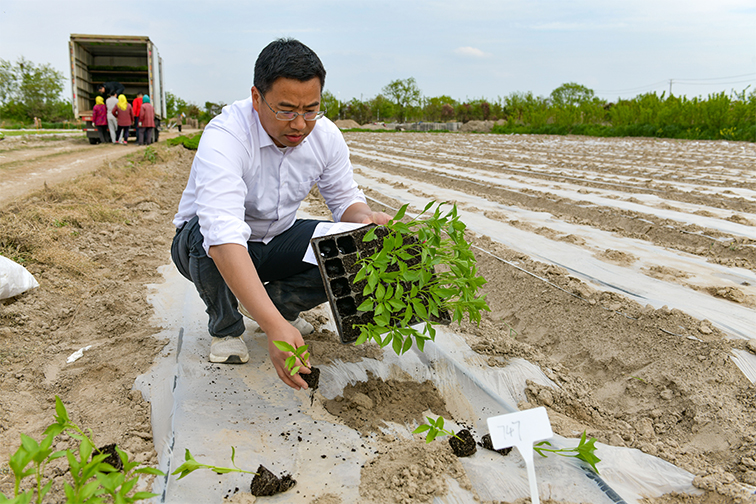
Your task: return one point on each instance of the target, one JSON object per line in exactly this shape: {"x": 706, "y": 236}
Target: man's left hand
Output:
{"x": 362, "y": 214}
{"x": 379, "y": 218}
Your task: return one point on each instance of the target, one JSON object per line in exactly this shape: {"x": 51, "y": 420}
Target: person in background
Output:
{"x": 110, "y": 104}
{"x": 146, "y": 121}
{"x": 100, "y": 118}
{"x": 125, "y": 116}
{"x": 114, "y": 87}
{"x": 137, "y": 105}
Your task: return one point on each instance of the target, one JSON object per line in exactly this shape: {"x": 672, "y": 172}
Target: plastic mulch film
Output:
{"x": 208, "y": 408}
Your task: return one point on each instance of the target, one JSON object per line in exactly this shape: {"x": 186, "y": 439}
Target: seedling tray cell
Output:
{"x": 337, "y": 256}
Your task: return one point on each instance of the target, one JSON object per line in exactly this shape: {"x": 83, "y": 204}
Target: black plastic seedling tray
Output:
{"x": 337, "y": 256}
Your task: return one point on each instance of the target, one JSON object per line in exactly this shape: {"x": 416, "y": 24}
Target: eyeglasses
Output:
{"x": 282, "y": 115}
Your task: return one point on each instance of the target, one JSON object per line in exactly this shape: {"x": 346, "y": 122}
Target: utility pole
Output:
{"x": 670, "y": 87}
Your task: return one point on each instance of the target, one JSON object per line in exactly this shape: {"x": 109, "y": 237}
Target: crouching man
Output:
{"x": 237, "y": 235}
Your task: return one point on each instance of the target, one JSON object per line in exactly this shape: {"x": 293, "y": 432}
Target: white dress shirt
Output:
{"x": 244, "y": 188}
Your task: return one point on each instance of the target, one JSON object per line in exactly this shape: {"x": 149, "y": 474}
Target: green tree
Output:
{"x": 571, "y": 95}
{"x": 434, "y": 108}
{"x": 525, "y": 108}
{"x": 28, "y": 90}
{"x": 358, "y": 111}
{"x": 174, "y": 105}
{"x": 211, "y": 110}
{"x": 383, "y": 109}
{"x": 330, "y": 104}
{"x": 405, "y": 94}
{"x": 7, "y": 81}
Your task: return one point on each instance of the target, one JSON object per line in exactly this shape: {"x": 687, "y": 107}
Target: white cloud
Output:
{"x": 472, "y": 52}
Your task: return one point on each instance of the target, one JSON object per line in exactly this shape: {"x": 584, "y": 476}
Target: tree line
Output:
{"x": 28, "y": 90}
{"x": 569, "y": 109}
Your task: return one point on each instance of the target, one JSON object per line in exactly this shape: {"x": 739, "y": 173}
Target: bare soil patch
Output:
{"x": 658, "y": 380}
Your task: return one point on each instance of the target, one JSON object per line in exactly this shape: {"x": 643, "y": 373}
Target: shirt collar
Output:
{"x": 262, "y": 135}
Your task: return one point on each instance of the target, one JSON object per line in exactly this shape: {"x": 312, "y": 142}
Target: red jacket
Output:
{"x": 137, "y": 105}
{"x": 100, "y": 115}
{"x": 125, "y": 117}
{"x": 147, "y": 116}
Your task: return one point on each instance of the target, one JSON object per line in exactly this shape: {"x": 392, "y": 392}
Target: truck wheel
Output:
{"x": 94, "y": 141}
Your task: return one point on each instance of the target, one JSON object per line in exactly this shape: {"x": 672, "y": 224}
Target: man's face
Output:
{"x": 288, "y": 95}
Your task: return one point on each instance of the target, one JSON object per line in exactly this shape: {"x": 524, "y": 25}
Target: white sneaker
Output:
{"x": 244, "y": 312}
{"x": 231, "y": 350}
{"x": 300, "y": 324}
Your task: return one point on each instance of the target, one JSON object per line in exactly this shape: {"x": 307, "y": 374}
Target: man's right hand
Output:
{"x": 234, "y": 263}
{"x": 290, "y": 335}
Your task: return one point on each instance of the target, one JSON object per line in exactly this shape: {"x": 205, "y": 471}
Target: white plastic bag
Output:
{"x": 14, "y": 279}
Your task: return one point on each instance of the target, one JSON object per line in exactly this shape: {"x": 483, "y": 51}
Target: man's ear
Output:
{"x": 255, "y": 99}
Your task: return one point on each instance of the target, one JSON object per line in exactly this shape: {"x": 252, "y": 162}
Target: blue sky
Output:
{"x": 465, "y": 49}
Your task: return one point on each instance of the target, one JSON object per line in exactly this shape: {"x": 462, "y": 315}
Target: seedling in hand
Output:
{"x": 585, "y": 451}
{"x": 190, "y": 465}
{"x": 434, "y": 428}
{"x": 298, "y": 353}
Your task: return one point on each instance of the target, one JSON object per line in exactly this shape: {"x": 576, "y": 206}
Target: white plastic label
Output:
{"x": 522, "y": 429}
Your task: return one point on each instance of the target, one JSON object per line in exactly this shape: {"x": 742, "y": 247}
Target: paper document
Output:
{"x": 328, "y": 228}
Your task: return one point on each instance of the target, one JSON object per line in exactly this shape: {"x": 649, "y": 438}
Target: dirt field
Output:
{"x": 647, "y": 374}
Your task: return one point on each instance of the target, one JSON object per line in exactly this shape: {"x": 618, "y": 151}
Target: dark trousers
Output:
{"x": 291, "y": 284}
{"x": 137, "y": 129}
{"x": 144, "y": 136}
{"x": 125, "y": 130}
{"x": 102, "y": 130}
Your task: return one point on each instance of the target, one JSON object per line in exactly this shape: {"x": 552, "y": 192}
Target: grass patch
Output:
{"x": 54, "y": 227}
{"x": 189, "y": 142}
{"x": 10, "y": 133}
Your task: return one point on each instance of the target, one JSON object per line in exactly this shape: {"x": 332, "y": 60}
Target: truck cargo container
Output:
{"x": 133, "y": 61}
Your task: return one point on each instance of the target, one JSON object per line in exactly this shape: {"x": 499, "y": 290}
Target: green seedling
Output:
{"x": 298, "y": 353}
{"x": 30, "y": 460}
{"x": 585, "y": 451}
{"x": 435, "y": 428}
{"x": 422, "y": 269}
{"x": 92, "y": 477}
{"x": 190, "y": 465}
{"x": 118, "y": 484}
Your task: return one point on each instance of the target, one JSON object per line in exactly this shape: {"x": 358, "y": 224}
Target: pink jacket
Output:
{"x": 125, "y": 117}
{"x": 147, "y": 116}
{"x": 100, "y": 115}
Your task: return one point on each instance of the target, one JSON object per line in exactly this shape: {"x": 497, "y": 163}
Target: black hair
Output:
{"x": 289, "y": 58}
